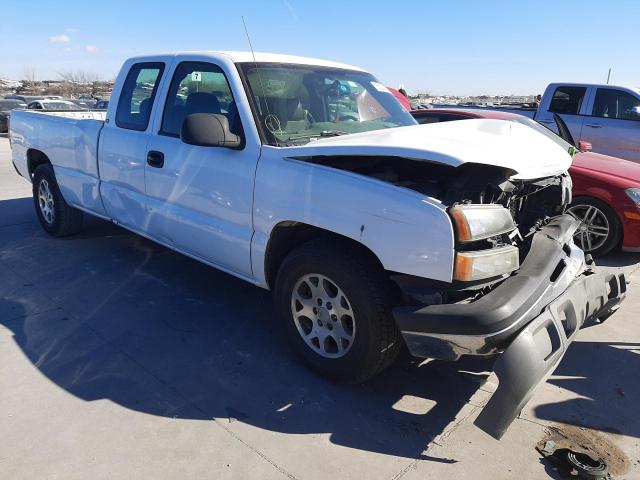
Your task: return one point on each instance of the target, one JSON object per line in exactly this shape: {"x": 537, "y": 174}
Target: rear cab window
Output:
{"x": 198, "y": 87}
{"x": 137, "y": 95}
{"x": 567, "y": 100}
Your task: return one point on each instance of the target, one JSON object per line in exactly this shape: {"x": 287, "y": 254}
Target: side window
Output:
{"x": 567, "y": 100}
{"x": 198, "y": 87}
{"x": 137, "y": 95}
{"x": 612, "y": 103}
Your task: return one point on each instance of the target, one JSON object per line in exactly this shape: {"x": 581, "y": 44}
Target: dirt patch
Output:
{"x": 594, "y": 444}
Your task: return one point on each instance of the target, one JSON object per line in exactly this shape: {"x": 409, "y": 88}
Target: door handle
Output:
{"x": 547, "y": 121}
{"x": 593, "y": 125}
{"x": 155, "y": 159}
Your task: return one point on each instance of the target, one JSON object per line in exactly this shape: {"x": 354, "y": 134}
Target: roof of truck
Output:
{"x": 247, "y": 56}
{"x": 597, "y": 85}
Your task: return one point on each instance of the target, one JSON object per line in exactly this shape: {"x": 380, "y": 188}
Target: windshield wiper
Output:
{"x": 323, "y": 134}
{"x": 332, "y": 133}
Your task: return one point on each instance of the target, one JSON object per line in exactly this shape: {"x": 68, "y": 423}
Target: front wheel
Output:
{"x": 600, "y": 230}
{"x": 55, "y": 215}
{"x": 334, "y": 303}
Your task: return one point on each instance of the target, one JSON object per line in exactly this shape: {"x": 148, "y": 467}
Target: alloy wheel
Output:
{"x": 594, "y": 227}
{"x": 323, "y": 315}
{"x": 45, "y": 201}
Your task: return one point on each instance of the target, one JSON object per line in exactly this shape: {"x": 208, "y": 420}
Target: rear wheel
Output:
{"x": 600, "y": 230}
{"x": 334, "y": 303}
{"x": 55, "y": 215}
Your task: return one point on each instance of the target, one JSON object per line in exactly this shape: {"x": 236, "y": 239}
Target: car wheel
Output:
{"x": 600, "y": 230}
{"x": 55, "y": 215}
{"x": 334, "y": 304}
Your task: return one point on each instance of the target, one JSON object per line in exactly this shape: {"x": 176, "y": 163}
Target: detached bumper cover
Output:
{"x": 537, "y": 350}
{"x": 532, "y": 317}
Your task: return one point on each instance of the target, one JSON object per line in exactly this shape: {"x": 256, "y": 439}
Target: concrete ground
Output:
{"x": 122, "y": 359}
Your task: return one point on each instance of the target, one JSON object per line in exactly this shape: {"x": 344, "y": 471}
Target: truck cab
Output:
{"x": 605, "y": 116}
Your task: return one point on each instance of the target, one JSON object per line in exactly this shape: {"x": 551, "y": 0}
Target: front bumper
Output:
{"x": 531, "y": 317}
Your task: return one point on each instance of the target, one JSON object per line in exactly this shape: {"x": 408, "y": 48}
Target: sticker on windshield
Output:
{"x": 274, "y": 85}
{"x": 196, "y": 76}
{"x": 380, "y": 87}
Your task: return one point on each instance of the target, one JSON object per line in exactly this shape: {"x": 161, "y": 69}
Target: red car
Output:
{"x": 606, "y": 190}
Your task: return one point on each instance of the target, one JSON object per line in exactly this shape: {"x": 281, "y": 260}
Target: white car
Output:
{"x": 309, "y": 178}
{"x": 53, "y": 105}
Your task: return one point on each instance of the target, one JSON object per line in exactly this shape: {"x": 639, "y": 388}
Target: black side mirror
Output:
{"x": 208, "y": 130}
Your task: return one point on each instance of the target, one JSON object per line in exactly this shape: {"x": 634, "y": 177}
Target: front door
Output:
{"x": 612, "y": 127}
{"x": 199, "y": 199}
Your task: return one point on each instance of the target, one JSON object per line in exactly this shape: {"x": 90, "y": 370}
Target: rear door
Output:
{"x": 199, "y": 198}
{"x": 611, "y": 127}
{"x": 123, "y": 145}
{"x": 570, "y": 102}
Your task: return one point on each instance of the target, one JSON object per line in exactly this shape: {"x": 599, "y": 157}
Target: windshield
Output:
{"x": 296, "y": 104}
{"x": 60, "y": 106}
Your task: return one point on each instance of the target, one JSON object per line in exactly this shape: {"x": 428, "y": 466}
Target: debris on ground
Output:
{"x": 579, "y": 452}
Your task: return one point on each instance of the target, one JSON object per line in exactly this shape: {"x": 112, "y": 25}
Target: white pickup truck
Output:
{"x": 308, "y": 177}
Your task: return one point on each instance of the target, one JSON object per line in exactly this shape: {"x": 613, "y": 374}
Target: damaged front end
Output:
{"x": 520, "y": 287}
{"x": 531, "y": 318}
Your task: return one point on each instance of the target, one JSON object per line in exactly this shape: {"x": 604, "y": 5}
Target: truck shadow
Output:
{"x": 109, "y": 315}
{"x": 113, "y": 316}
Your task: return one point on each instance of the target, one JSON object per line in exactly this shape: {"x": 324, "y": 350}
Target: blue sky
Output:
{"x": 454, "y": 46}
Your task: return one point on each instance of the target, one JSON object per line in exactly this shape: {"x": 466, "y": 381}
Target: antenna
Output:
{"x": 608, "y": 75}
{"x": 266, "y": 104}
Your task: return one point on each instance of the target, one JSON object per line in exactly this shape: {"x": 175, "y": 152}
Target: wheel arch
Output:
{"x": 606, "y": 201}
{"x": 288, "y": 235}
{"x": 35, "y": 158}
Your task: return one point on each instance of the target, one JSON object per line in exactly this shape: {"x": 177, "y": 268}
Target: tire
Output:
{"x": 375, "y": 340}
{"x": 56, "y": 217}
{"x": 603, "y": 219}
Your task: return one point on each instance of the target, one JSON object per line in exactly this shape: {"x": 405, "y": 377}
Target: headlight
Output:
{"x": 634, "y": 195}
{"x": 486, "y": 263}
{"x": 476, "y": 222}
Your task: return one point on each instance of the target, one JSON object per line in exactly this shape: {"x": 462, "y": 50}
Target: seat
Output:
{"x": 289, "y": 111}
{"x": 233, "y": 116}
{"x": 172, "y": 122}
{"x": 202, "y": 102}
{"x": 145, "y": 105}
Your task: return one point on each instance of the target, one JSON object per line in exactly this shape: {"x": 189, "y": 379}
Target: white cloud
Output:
{"x": 91, "y": 49}
{"x": 72, "y": 30}
{"x": 60, "y": 39}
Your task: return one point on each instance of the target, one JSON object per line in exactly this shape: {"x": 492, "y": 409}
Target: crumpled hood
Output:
{"x": 491, "y": 142}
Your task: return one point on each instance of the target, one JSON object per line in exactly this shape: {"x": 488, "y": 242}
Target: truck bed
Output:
{"x": 70, "y": 140}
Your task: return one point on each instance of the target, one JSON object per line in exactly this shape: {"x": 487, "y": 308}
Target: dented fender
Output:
{"x": 409, "y": 232}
